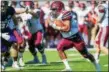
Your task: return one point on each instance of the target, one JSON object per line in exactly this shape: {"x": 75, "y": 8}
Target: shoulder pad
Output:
{"x": 66, "y": 15}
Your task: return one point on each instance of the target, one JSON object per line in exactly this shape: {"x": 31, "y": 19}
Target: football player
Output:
{"x": 66, "y": 22}
{"x": 22, "y": 28}
{"x": 82, "y": 12}
{"x": 36, "y": 29}
{"x": 103, "y": 34}
{"x": 9, "y": 36}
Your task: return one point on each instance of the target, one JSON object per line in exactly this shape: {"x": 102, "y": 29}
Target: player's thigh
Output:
{"x": 38, "y": 36}
{"x": 79, "y": 44}
{"x": 64, "y": 44}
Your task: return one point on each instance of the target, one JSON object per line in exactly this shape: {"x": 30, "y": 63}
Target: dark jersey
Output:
{"x": 6, "y": 17}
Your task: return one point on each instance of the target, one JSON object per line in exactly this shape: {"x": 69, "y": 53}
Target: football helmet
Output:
{"x": 57, "y": 5}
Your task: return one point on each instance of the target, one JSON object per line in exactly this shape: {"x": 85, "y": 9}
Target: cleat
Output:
{"x": 16, "y": 66}
{"x": 44, "y": 63}
{"x": 21, "y": 63}
{"x": 2, "y": 68}
{"x": 44, "y": 60}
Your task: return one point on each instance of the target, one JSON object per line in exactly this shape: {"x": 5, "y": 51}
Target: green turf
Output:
{"x": 77, "y": 63}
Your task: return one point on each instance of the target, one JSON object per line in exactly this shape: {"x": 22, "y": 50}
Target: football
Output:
{"x": 59, "y": 23}
{"x": 94, "y": 20}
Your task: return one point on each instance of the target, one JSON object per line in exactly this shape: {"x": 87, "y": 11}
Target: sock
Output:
{"x": 97, "y": 66}
{"x": 96, "y": 56}
{"x": 66, "y": 63}
{"x": 44, "y": 60}
{"x": 36, "y": 59}
{"x": 15, "y": 62}
{"x": 20, "y": 54}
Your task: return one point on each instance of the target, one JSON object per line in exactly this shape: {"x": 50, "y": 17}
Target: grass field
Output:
{"x": 76, "y": 61}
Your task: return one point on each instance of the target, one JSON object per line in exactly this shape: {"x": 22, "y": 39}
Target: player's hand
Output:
{"x": 5, "y": 36}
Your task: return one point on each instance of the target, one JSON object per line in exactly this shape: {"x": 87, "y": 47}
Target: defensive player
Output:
{"x": 36, "y": 29}
{"x": 103, "y": 34}
{"x": 22, "y": 28}
{"x": 9, "y": 36}
{"x": 66, "y": 22}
